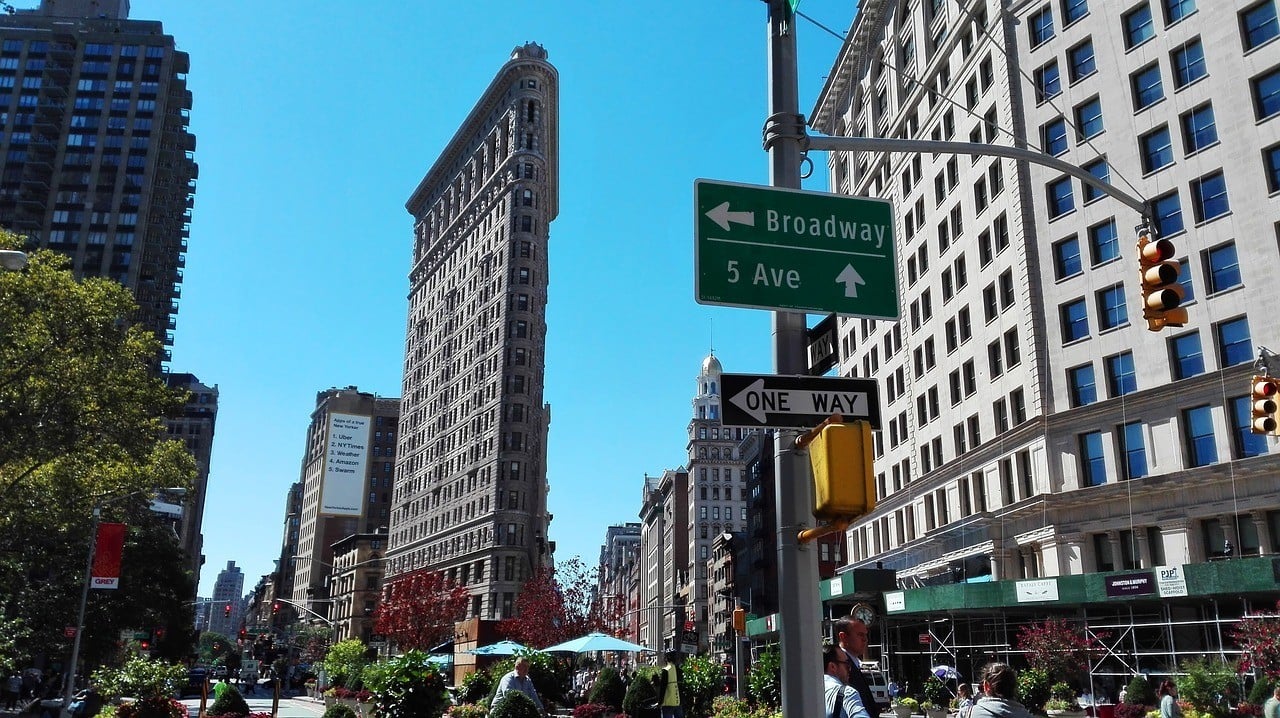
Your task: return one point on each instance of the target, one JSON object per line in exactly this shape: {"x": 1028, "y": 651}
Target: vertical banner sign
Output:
{"x": 342, "y": 489}
{"x": 106, "y": 556}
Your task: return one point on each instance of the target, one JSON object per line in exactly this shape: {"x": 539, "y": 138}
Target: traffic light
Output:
{"x": 740, "y": 619}
{"x": 840, "y": 457}
{"x": 1158, "y": 274}
{"x": 1264, "y": 404}
{"x": 226, "y": 611}
{"x": 275, "y": 608}
{"x": 144, "y": 644}
{"x": 243, "y": 634}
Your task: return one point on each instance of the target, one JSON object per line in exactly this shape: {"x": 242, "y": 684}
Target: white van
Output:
{"x": 878, "y": 680}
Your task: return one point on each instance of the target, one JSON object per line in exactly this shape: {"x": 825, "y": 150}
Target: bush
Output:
{"x": 730, "y": 707}
{"x": 641, "y": 692}
{"x": 514, "y": 704}
{"x": 154, "y": 707}
{"x": 764, "y": 682}
{"x": 408, "y": 686}
{"x": 1140, "y": 691}
{"x": 701, "y": 682}
{"x": 1261, "y": 690}
{"x": 345, "y": 662}
{"x": 590, "y": 710}
{"x": 1033, "y": 688}
{"x": 231, "y": 703}
{"x": 935, "y": 692}
{"x": 608, "y": 690}
{"x": 141, "y": 678}
{"x": 339, "y": 710}
{"x": 1210, "y": 686}
{"x": 466, "y": 710}
{"x": 476, "y": 687}
{"x": 910, "y": 703}
{"x": 1130, "y": 710}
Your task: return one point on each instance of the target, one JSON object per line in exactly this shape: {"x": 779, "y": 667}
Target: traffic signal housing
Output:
{"x": 275, "y": 608}
{"x": 226, "y": 611}
{"x": 840, "y": 457}
{"x": 1265, "y": 401}
{"x": 1158, "y": 274}
{"x": 740, "y": 620}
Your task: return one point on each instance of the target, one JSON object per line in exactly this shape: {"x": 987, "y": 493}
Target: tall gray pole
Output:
{"x": 800, "y": 627}
{"x": 69, "y": 685}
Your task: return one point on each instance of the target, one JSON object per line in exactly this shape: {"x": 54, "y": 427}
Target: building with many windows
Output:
{"x": 471, "y": 493}
{"x": 97, "y": 158}
{"x": 1034, "y": 427}
{"x": 227, "y": 590}
{"x": 194, "y": 427}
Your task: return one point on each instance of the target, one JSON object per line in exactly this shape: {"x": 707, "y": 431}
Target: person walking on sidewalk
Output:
{"x": 12, "y": 689}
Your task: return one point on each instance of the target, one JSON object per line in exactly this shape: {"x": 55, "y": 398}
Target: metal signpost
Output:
{"x": 797, "y": 402}
{"x": 772, "y": 248}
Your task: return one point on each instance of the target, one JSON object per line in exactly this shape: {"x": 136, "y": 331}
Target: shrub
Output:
{"x": 1261, "y": 691}
{"x": 154, "y": 707}
{"x": 590, "y": 710}
{"x": 141, "y": 678}
{"x": 476, "y": 687}
{"x": 1140, "y": 691}
{"x": 1061, "y": 698}
{"x": 345, "y": 662}
{"x": 514, "y": 704}
{"x": 935, "y": 692}
{"x": 1033, "y": 688}
{"x": 764, "y": 682}
{"x": 339, "y": 710}
{"x": 641, "y": 692}
{"x": 910, "y": 703}
{"x": 1210, "y": 686}
{"x": 701, "y": 681}
{"x": 729, "y": 707}
{"x": 467, "y": 710}
{"x": 1130, "y": 710}
{"x": 408, "y": 686}
{"x": 608, "y": 690}
{"x": 230, "y": 703}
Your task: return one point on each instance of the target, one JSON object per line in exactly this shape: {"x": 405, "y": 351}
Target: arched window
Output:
{"x": 713, "y": 387}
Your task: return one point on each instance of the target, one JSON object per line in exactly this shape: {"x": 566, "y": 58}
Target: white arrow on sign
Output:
{"x": 722, "y": 216}
{"x": 758, "y": 401}
{"x": 850, "y": 279}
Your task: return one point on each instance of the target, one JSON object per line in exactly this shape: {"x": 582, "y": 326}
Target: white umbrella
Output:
{"x": 596, "y": 642}
{"x": 945, "y": 672}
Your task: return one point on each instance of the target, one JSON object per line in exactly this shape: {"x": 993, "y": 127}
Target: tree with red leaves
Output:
{"x": 418, "y": 609}
{"x": 1059, "y": 648}
{"x": 557, "y": 606}
{"x": 1258, "y": 635}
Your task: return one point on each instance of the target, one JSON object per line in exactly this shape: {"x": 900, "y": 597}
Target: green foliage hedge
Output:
{"x": 514, "y": 704}
{"x": 701, "y": 681}
{"x": 408, "y": 686}
{"x": 764, "y": 683}
{"x": 1033, "y": 688}
{"x": 339, "y": 710}
{"x": 230, "y": 703}
{"x": 641, "y": 692}
{"x": 608, "y": 689}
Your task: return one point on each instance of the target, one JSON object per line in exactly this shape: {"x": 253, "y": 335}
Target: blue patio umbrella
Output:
{"x": 596, "y": 641}
{"x": 441, "y": 658}
{"x": 501, "y": 648}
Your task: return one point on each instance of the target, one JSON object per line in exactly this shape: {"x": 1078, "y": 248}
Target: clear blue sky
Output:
{"x": 315, "y": 121}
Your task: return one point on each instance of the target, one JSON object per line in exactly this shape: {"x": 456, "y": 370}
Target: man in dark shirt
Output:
{"x": 853, "y": 635}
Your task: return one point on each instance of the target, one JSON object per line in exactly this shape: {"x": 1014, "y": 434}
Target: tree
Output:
{"x": 1258, "y": 635}
{"x": 344, "y": 662}
{"x": 557, "y": 606}
{"x": 418, "y": 609}
{"x": 1058, "y": 648}
{"x": 81, "y": 420}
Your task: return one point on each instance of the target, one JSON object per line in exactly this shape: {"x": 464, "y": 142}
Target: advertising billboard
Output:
{"x": 345, "y": 461}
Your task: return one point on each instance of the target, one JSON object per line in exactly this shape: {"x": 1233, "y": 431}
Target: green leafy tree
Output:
{"x": 608, "y": 689}
{"x": 408, "y": 686}
{"x": 140, "y": 678}
{"x": 476, "y": 687}
{"x": 1140, "y": 691}
{"x": 764, "y": 682}
{"x": 701, "y": 680}
{"x": 13, "y": 631}
{"x": 1210, "y": 686}
{"x": 641, "y": 693}
{"x": 345, "y": 661}
{"x": 214, "y": 648}
{"x": 1033, "y": 688}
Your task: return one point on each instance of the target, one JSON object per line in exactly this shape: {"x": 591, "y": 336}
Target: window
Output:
{"x": 1111, "y": 307}
{"x": 1247, "y": 443}
{"x": 1061, "y": 200}
{"x": 1168, "y": 213}
{"x": 1066, "y": 258}
{"x": 1048, "y": 84}
{"x": 1271, "y": 160}
{"x": 1234, "y": 344}
{"x": 1199, "y": 129}
{"x": 1089, "y": 118}
{"x": 1209, "y": 195}
{"x": 1138, "y": 27}
{"x": 1266, "y": 94}
{"x": 1133, "y": 450}
{"x": 1041, "y": 26}
{"x": 1197, "y": 427}
{"x": 1093, "y": 467}
{"x": 1053, "y": 135}
{"x": 1121, "y": 377}
{"x": 1157, "y": 149}
{"x": 1082, "y": 61}
{"x": 1084, "y": 389}
{"x": 1184, "y": 280}
{"x": 1188, "y": 64}
{"x": 1175, "y": 10}
{"x": 1186, "y": 356}
{"x": 1146, "y": 87}
{"x": 1075, "y": 320}
{"x": 1098, "y": 168}
{"x": 1258, "y": 24}
{"x": 1222, "y": 268}
{"x": 1073, "y": 10}
{"x": 1104, "y": 242}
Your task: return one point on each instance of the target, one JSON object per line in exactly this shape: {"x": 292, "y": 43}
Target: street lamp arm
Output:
{"x": 301, "y": 607}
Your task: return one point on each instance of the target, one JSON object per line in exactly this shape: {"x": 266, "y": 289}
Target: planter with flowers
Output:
{"x": 904, "y": 707}
{"x": 1062, "y": 702}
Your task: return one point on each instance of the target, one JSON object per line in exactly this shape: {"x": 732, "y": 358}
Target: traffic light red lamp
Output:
{"x": 1158, "y": 275}
{"x": 1265, "y": 401}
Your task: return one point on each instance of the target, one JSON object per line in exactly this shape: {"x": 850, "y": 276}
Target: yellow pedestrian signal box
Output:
{"x": 840, "y": 457}
{"x": 1266, "y": 394}
{"x": 740, "y": 620}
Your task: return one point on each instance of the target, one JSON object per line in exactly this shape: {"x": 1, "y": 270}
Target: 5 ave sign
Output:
{"x": 785, "y": 249}
{"x": 799, "y": 402}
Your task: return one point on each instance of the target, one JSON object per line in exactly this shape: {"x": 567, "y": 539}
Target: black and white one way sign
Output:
{"x": 799, "y": 402}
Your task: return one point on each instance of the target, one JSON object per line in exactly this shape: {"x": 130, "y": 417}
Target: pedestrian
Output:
{"x": 1271, "y": 709}
{"x": 853, "y": 635}
{"x": 841, "y": 700}
{"x": 999, "y": 686}
{"x": 12, "y": 691}
{"x": 668, "y": 684}
{"x": 87, "y": 703}
{"x": 1169, "y": 700}
{"x": 518, "y": 680}
{"x": 249, "y": 681}
{"x": 221, "y": 687}
{"x": 964, "y": 700}
{"x": 1124, "y": 694}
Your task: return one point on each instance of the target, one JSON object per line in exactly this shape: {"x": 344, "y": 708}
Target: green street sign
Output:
{"x": 785, "y": 249}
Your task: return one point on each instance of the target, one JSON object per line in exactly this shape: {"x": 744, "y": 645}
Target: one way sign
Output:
{"x": 797, "y": 402}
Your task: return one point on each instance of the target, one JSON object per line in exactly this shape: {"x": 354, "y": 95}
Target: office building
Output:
{"x": 227, "y": 590}
{"x": 97, "y": 156}
{"x": 1035, "y": 428}
{"x": 346, "y": 485}
{"x": 356, "y": 584}
{"x": 471, "y": 493}
{"x": 664, "y": 551}
{"x": 194, "y": 427}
